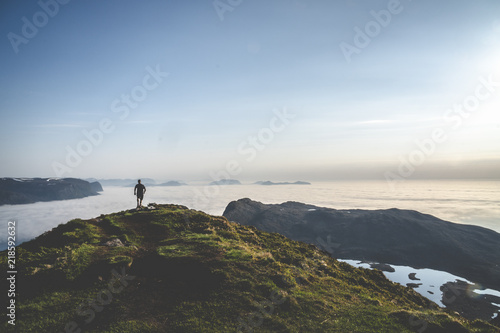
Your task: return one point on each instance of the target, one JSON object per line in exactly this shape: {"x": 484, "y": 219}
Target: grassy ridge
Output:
{"x": 185, "y": 271}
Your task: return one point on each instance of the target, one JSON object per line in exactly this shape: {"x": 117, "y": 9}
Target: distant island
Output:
{"x": 172, "y": 183}
{"x": 15, "y": 191}
{"x": 226, "y": 182}
{"x": 268, "y": 183}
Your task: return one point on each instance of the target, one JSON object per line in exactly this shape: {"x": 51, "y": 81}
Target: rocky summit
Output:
{"x": 170, "y": 269}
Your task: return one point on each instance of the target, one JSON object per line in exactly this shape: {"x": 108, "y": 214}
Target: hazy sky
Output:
{"x": 279, "y": 89}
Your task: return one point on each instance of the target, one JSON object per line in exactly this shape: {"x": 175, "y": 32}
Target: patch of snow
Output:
{"x": 496, "y": 313}
{"x": 22, "y": 179}
{"x": 487, "y": 292}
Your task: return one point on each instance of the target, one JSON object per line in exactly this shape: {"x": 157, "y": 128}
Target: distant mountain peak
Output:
{"x": 226, "y": 182}
{"x": 268, "y": 183}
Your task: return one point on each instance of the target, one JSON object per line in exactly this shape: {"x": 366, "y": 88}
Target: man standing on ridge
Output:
{"x": 139, "y": 190}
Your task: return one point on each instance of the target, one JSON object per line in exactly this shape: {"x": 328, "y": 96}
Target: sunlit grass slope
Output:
{"x": 182, "y": 270}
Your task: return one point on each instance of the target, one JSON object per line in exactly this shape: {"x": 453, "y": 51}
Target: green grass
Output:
{"x": 177, "y": 251}
{"x": 238, "y": 254}
{"x": 120, "y": 260}
{"x": 130, "y": 326}
{"x": 193, "y": 272}
{"x": 81, "y": 232}
{"x": 78, "y": 260}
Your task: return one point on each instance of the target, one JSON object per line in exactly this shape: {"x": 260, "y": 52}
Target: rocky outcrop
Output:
{"x": 460, "y": 296}
{"x": 29, "y": 190}
{"x": 96, "y": 187}
{"x": 400, "y": 237}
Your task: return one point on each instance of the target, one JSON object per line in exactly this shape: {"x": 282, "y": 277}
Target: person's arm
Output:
{"x": 135, "y": 190}
{"x": 144, "y": 189}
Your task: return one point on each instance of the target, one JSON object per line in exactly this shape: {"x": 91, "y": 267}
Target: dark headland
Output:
{"x": 29, "y": 190}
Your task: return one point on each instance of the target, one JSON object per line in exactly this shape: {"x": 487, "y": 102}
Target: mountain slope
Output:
{"x": 393, "y": 236}
{"x": 171, "y": 269}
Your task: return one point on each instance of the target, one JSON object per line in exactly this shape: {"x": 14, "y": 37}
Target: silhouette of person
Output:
{"x": 139, "y": 190}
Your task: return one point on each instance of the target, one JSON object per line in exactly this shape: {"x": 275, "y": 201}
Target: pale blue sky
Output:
{"x": 227, "y": 79}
